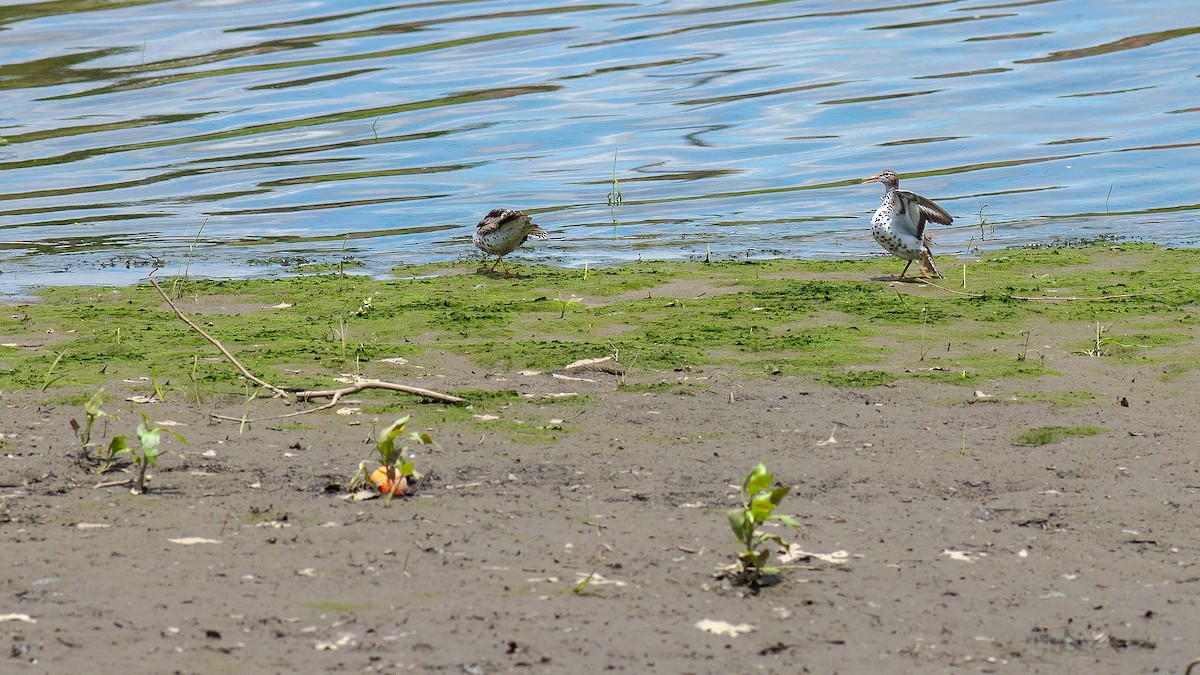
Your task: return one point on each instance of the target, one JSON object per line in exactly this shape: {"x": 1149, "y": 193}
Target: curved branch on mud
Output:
{"x": 217, "y": 343}
{"x": 247, "y": 420}
{"x": 360, "y": 385}
{"x": 333, "y": 394}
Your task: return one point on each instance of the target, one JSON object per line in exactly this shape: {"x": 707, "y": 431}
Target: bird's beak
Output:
{"x": 872, "y": 179}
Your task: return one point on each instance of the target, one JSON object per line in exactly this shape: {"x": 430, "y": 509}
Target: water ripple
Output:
{"x": 250, "y": 135}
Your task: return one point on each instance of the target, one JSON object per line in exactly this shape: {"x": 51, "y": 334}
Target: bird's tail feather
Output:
{"x": 927, "y": 256}
{"x": 927, "y": 263}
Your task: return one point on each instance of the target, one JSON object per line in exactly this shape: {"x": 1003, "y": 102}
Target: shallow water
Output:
{"x": 243, "y": 138}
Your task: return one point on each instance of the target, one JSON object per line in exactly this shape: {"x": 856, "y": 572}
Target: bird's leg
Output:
{"x": 901, "y": 277}
{"x": 507, "y": 274}
{"x": 493, "y": 267}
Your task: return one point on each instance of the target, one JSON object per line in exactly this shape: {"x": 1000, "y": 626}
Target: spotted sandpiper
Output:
{"x": 501, "y": 231}
{"x": 899, "y": 223}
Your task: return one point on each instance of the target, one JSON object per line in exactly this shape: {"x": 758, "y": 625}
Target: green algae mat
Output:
{"x": 842, "y": 323}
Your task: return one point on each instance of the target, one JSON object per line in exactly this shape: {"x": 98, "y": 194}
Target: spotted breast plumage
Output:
{"x": 899, "y": 223}
{"x": 501, "y": 231}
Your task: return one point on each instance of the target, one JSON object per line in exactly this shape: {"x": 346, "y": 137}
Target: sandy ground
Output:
{"x": 937, "y": 543}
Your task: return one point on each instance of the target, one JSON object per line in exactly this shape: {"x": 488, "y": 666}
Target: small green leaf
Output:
{"x": 737, "y": 521}
{"x": 386, "y": 446}
{"x": 582, "y": 585}
{"x": 92, "y": 407}
{"x": 118, "y": 445}
{"x": 360, "y": 476}
{"x": 775, "y": 538}
{"x": 779, "y": 493}
{"x": 148, "y": 436}
{"x": 758, "y": 480}
{"x": 787, "y": 520}
{"x": 761, "y": 507}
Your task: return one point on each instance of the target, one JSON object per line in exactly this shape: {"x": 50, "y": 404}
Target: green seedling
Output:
{"x": 158, "y": 389}
{"x": 563, "y": 304}
{"x": 582, "y": 586}
{"x": 365, "y": 308}
{"x": 49, "y": 378}
{"x": 195, "y": 381}
{"x": 624, "y": 372}
{"x": 759, "y": 500}
{"x": 92, "y": 409}
{"x": 145, "y": 455}
{"x": 390, "y": 456}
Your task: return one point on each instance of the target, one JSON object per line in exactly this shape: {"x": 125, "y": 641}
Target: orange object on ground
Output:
{"x": 379, "y": 478}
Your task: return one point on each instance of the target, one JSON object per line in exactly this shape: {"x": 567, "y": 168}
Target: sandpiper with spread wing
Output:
{"x": 899, "y": 223}
{"x": 501, "y": 231}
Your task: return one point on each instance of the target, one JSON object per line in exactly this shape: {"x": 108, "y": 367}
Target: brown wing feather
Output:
{"x": 497, "y": 218}
{"x": 929, "y": 210}
{"x": 926, "y": 211}
{"x": 502, "y": 230}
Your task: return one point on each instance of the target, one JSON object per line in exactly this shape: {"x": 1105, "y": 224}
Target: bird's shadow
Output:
{"x": 905, "y": 280}
{"x": 497, "y": 274}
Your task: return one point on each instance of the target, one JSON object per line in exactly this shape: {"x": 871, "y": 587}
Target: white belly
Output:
{"x": 894, "y": 232}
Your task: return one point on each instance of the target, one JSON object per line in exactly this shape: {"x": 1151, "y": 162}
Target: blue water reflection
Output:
{"x": 243, "y": 137}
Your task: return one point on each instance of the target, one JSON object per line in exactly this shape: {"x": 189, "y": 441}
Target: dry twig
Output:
{"x": 217, "y": 343}
{"x": 360, "y": 385}
{"x": 333, "y": 394}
